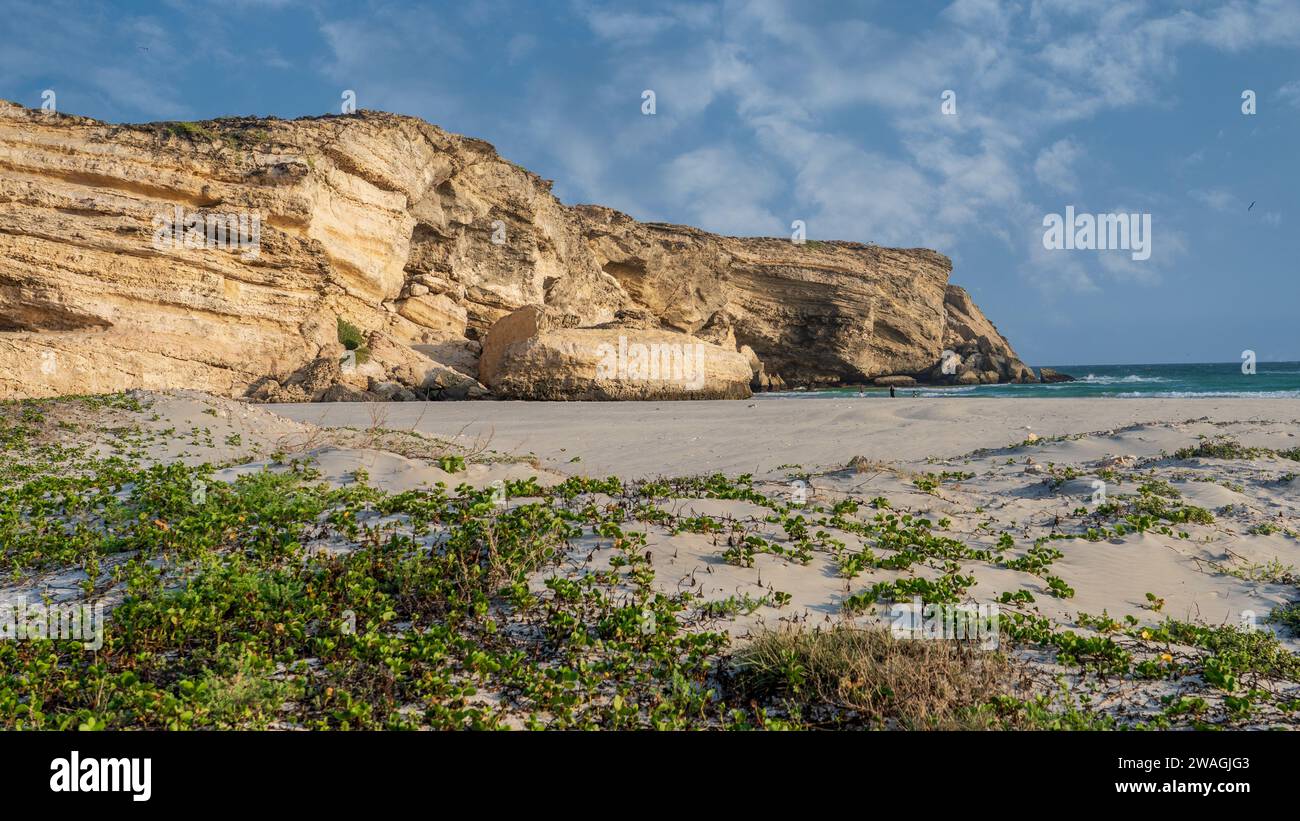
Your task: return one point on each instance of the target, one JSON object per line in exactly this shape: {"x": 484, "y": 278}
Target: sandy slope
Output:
{"x": 636, "y": 439}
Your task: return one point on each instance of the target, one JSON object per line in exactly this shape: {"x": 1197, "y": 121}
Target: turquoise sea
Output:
{"x": 1270, "y": 380}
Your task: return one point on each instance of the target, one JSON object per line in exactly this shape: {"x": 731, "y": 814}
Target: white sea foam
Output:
{"x": 1093, "y": 379}
{"x": 1207, "y": 395}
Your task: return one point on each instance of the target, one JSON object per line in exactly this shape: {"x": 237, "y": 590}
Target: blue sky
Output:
{"x": 769, "y": 112}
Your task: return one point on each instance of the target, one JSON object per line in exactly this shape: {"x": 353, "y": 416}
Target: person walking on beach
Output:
{"x": 891, "y": 391}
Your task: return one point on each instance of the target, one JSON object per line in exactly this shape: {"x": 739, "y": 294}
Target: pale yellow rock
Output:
{"x": 397, "y": 361}
{"x": 436, "y": 312}
{"x": 813, "y": 313}
{"x": 410, "y": 367}
{"x": 357, "y": 216}
{"x": 528, "y": 357}
{"x": 518, "y": 326}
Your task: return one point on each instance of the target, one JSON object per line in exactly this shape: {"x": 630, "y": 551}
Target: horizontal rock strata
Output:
{"x": 221, "y": 256}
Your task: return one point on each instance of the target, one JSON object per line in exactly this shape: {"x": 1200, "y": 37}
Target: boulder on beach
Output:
{"x": 531, "y": 354}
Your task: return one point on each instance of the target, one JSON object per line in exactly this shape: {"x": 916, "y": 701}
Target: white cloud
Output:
{"x": 1053, "y": 273}
{"x": 1216, "y": 199}
{"x": 1054, "y": 166}
{"x": 1290, "y": 93}
{"x": 860, "y": 195}
{"x": 398, "y": 59}
{"x": 723, "y": 192}
{"x": 789, "y": 75}
{"x": 612, "y": 23}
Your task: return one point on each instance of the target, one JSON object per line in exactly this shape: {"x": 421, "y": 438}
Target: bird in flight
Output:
{"x": 1252, "y": 205}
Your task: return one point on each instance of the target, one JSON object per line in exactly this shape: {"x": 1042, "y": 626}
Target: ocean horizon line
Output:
{"x": 1234, "y": 363}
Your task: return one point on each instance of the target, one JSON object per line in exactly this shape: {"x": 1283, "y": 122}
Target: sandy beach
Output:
{"x": 1017, "y": 483}
{"x": 641, "y": 439}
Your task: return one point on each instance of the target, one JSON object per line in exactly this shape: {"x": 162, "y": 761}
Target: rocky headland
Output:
{"x": 376, "y": 256}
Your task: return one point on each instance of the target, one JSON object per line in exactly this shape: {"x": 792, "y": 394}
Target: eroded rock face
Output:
{"x": 820, "y": 312}
{"x": 404, "y": 230}
{"x": 386, "y": 221}
{"x": 979, "y": 354}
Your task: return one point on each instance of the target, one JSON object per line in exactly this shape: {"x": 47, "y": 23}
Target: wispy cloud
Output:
{"x": 790, "y": 77}
{"x": 1290, "y": 93}
{"x": 1055, "y": 165}
{"x": 1216, "y": 198}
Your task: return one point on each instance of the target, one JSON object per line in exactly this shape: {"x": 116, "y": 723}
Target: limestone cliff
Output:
{"x": 421, "y": 239}
{"x": 983, "y": 355}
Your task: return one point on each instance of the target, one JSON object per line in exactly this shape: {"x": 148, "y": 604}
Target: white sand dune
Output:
{"x": 774, "y": 438}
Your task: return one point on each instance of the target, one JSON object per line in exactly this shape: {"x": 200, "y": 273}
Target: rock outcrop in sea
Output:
{"x": 227, "y": 255}
{"x": 1049, "y": 375}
